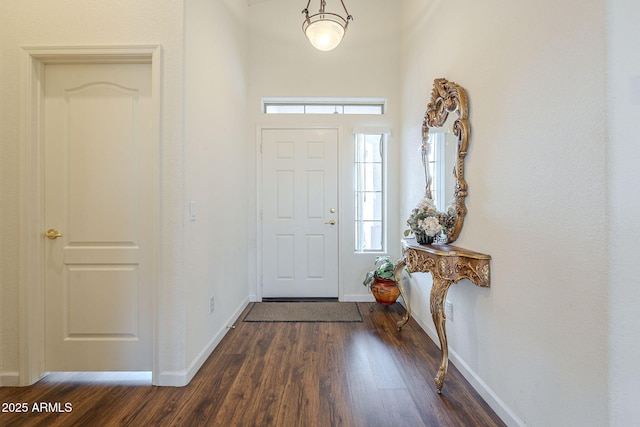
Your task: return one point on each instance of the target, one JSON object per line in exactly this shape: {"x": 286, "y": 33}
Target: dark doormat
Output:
{"x": 317, "y": 311}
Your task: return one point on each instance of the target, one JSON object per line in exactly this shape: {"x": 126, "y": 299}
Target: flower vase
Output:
{"x": 423, "y": 239}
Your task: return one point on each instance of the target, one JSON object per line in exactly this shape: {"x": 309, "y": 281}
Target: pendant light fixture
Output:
{"x": 324, "y": 29}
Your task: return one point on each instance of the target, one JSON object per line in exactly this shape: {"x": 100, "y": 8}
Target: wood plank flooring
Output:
{"x": 280, "y": 374}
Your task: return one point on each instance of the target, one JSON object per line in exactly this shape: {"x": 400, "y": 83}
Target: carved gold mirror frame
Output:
{"x": 448, "y": 98}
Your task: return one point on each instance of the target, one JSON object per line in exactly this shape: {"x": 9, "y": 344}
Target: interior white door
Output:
{"x": 98, "y": 199}
{"x": 299, "y": 213}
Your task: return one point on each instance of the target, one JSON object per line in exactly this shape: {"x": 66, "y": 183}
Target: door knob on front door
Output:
{"x": 52, "y": 234}
{"x": 331, "y": 221}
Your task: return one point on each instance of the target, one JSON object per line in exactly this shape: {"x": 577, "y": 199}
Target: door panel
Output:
{"x": 299, "y": 212}
{"x": 99, "y": 196}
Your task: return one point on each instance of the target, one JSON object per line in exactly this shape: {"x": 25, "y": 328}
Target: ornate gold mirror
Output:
{"x": 445, "y": 138}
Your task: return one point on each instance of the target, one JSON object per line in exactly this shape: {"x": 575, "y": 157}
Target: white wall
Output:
{"x": 536, "y": 341}
{"x": 216, "y": 172}
{"x": 624, "y": 205}
{"x": 366, "y": 64}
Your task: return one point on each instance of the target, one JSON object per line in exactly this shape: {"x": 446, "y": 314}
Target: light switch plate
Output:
{"x": 448, "y": 310}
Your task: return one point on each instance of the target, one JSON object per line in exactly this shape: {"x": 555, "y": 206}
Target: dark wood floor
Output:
{"x": 281, "y": 374}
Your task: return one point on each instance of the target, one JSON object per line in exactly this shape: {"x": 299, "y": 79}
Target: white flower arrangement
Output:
{"x": 426, "y": 220}
{"x": 430, "y": 226}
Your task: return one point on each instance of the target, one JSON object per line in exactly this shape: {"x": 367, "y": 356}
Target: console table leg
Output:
{"x": 438, "y": 297}
{"x": 397, "y": 274}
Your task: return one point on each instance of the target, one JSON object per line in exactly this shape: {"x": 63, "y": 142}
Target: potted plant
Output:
{"x": 382, "y": 282}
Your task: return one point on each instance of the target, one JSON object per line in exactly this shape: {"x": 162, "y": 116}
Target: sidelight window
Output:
{"x": 369, "y": 192}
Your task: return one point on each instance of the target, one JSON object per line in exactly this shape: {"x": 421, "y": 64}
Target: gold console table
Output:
{"x": 448, "y": 265}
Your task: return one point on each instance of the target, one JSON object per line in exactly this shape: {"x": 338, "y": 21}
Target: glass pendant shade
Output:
{"x": 325, "y": 30}
{"x": 324, "y": 35}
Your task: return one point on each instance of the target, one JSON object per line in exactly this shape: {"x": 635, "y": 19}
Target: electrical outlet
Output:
{"x": 192, "y": 211}
{"x": 448, "y": 310}
{"x": 210, "y": 305}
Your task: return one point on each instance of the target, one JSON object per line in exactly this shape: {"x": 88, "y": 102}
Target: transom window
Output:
{"x": 323, "y": 106}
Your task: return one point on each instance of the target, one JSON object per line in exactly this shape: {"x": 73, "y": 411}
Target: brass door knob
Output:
{"x": 331, "y": 221}
{"x": 52, "y": 234}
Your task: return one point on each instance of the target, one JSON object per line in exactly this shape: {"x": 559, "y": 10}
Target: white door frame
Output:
{"x": 31, "y": 304}
{"x": 259, "y": 195}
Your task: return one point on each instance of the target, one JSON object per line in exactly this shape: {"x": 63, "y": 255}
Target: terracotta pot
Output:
{"x": 385, "y": 291}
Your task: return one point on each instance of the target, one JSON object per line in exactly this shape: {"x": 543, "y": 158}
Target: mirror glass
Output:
{"x": 442, "y": 158}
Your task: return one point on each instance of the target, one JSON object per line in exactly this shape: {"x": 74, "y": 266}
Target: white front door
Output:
{"x": 299, "y": 189}
{"x": 99, "y": 185}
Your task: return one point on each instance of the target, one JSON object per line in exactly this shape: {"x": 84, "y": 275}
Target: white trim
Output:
{"x": 144, "y": 54}
{"x": 30, "y": 308}
{"x": 182, "y": 378}
{"x": 488, "y": 395}
{"x": 31, "y": 194}
{"x": 172, "y": 379}
{"x": 358, "y": 298}
{"x": 257, "y": 296}
{"x": 386, "y": 130}
{"x": 9, "y": 379}
{"x": 323, "y": 100}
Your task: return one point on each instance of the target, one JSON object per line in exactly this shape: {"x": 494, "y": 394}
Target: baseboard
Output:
{"x": 182, "y": 378}
{"x": 9, "y": 379}
{"x": 493, "y": 400}
{"x": 358, "y": 298}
